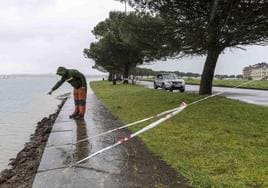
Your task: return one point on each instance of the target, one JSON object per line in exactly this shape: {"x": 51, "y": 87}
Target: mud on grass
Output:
{"x": 24, "y": 167}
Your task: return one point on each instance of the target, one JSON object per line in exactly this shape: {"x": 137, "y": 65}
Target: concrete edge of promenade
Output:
{"x": 58, "y": 153}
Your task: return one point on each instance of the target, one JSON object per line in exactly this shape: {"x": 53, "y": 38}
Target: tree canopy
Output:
{"x": 126, "y": 40}
{"x": 208, "y": 27}
{"x": 112, "y": 51}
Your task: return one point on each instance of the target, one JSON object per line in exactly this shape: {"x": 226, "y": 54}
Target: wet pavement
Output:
{"x": 259, "y": 97}
{"x": 128, "y": 165}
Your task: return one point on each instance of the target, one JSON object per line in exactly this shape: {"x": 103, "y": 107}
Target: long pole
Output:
{"x": 213, "y": 11}
{"x": 125, "y": 7}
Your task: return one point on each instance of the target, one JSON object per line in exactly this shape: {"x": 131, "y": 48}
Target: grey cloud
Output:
{"x": 37, "y": 36}
{"x": 27, "y": 6}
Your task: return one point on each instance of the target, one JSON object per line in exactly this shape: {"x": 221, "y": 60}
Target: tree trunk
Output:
{"x": 126, "y": 73}
{"x": 110, "y": 77}
{"x": 208, "y": 71}
{"x": 114, "y": 79}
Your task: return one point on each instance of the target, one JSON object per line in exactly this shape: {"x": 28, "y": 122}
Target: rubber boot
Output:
{"x": 79, "y": 117}
{"x": 73, "y": 115}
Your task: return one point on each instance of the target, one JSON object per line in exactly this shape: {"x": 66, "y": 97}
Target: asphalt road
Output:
{"x": 259, "y": 97}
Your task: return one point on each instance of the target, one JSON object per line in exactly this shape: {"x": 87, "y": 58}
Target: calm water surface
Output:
{"x": 23, "y": 102}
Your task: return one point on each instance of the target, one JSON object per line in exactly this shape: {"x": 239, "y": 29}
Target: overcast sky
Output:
{"x": 37, "y": 36}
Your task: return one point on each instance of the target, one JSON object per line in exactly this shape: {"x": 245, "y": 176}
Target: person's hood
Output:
{"x": 62, "y": 71}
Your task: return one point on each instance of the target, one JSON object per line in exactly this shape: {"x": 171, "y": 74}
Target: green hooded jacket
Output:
{"x": 72, "y": 76}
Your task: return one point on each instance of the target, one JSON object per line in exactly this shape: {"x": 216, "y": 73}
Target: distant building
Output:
{"x": 247, "y": 73}
{"x": 256, "y": 72}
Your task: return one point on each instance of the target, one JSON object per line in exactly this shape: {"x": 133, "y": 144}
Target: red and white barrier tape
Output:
{"x": 127, "y": 125}
{"x": 150, "y": 126}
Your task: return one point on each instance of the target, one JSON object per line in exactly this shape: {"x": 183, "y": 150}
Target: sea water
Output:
{"x": 24, "y": 102}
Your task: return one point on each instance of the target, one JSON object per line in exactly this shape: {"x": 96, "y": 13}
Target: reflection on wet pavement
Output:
{"x": 82, "y": 148}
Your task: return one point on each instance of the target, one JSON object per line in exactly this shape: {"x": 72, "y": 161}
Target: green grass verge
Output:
{"x": 216, "y": 143}
{"x": 257, "y": 84}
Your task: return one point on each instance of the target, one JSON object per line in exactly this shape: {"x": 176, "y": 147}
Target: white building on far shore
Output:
{"x": 256, "y": 72}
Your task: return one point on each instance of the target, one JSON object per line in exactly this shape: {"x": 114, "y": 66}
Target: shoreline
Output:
{"x": 25, "y": 165}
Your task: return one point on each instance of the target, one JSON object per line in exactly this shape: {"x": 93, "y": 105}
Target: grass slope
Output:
{"x": 216, "y": 143}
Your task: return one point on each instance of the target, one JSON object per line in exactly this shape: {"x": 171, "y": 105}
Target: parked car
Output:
{"x": 169, "y": 81}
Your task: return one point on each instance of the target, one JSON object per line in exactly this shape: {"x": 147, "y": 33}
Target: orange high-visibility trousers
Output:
{"x": 80, "y": 97}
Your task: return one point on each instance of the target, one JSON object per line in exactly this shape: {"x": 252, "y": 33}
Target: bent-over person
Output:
{"x": 78, "y": 82}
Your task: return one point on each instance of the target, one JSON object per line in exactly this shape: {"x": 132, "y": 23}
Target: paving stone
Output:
{"x": 60, "y": 138}
{"x": 70, "y": 178}
{"x": 63, "y": 126}
{"x": 56, "y": 157}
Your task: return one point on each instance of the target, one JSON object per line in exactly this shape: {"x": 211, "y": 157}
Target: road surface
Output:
{"x": 258, "y": 97}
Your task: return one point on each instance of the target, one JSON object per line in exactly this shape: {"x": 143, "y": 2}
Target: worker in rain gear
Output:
{"x": 78, "y": 81}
